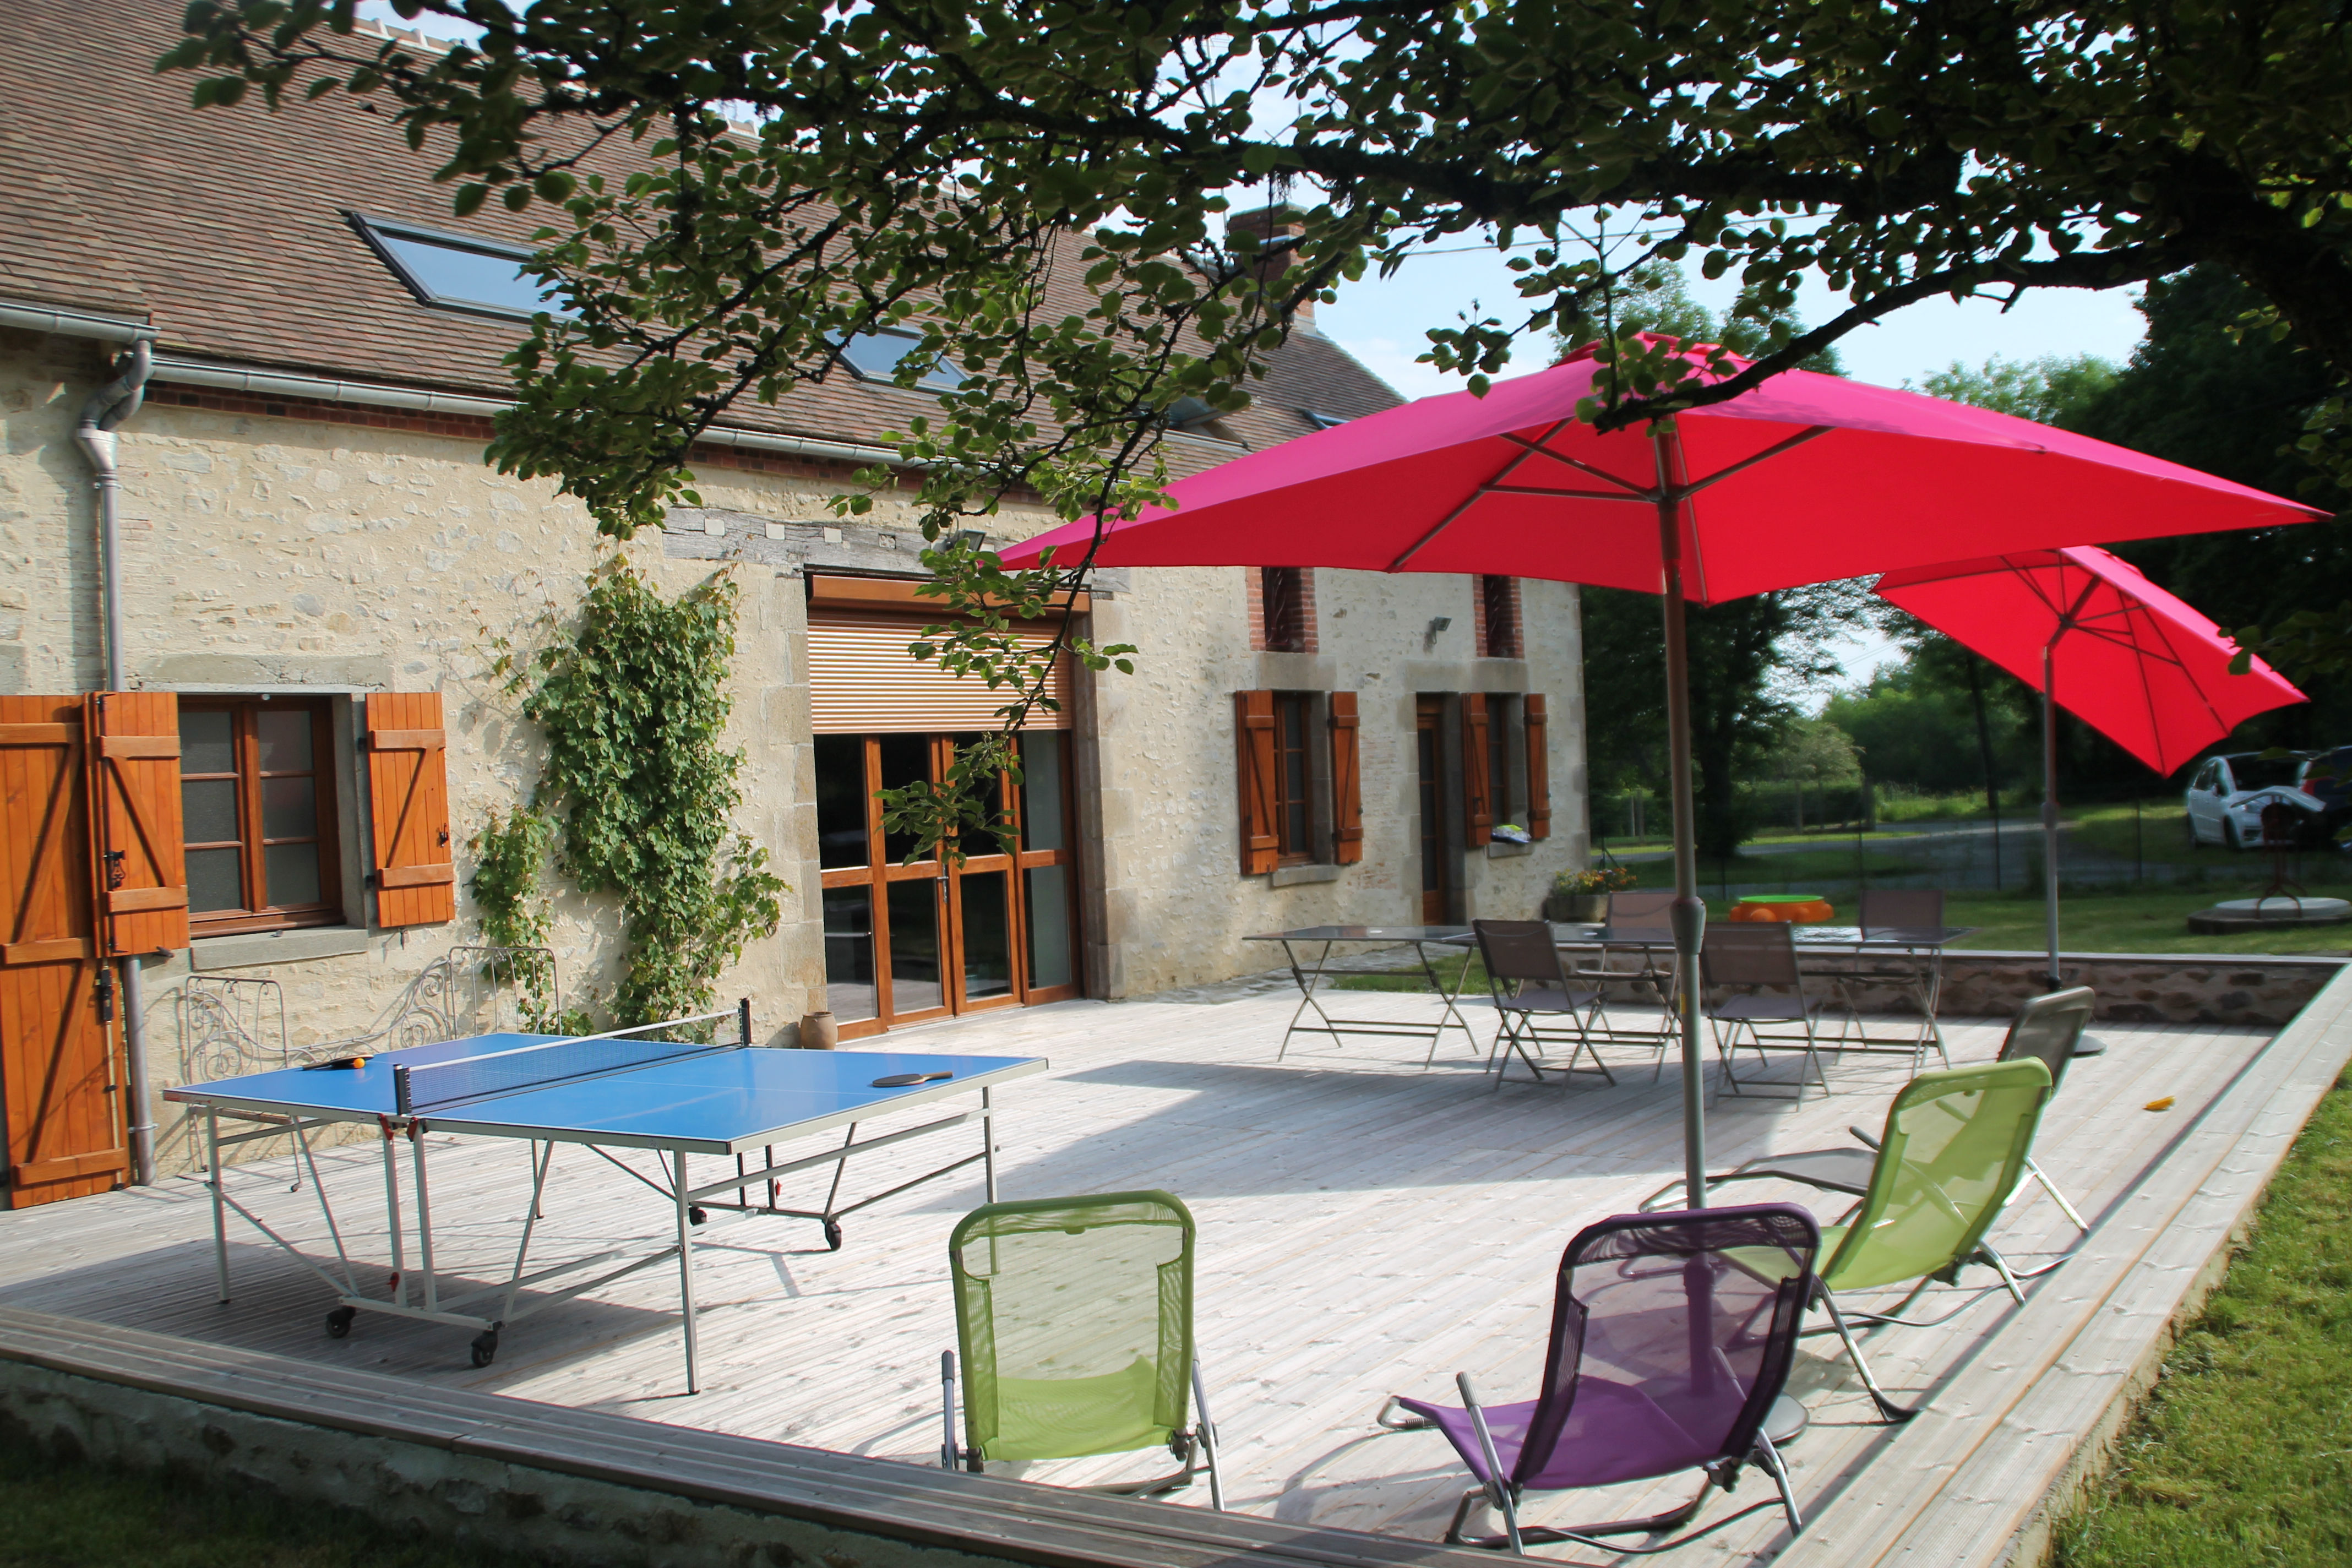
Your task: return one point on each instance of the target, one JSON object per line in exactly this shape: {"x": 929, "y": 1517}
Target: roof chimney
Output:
{"x": 1273, "y": 225}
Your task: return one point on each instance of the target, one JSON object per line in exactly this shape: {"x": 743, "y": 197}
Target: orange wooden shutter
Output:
{"x": 408, "y": 799}
{"x": 1347, "y": 787}
{"x": 142, "y": 869}
{"x": 1254, "y": 733}
{"x": 60, "y": 1105}
{"x": 1538, "y": 767}
{"x": 1478, "y": 789}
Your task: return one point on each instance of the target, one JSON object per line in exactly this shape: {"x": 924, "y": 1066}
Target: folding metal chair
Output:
{"x": 1529, "y": 990}
{"x": 1760, "y": 953}
{"x": 1888, "y": 915}
{"x": 1075, "y": 1318}
{"x": 1669, "y": 1346}
{"x": 1638, "y": 924}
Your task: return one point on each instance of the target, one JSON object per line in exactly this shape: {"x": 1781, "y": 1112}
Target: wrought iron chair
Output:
{"x": 1074, "y": 1319}
{"x": 1669, "y": 1346}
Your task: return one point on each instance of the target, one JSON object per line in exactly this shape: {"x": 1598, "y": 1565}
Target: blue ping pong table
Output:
{"x": 619, "y": 1092}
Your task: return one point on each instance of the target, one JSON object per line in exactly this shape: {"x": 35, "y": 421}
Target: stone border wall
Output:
{"x": 2133, "y": 987}
{"x": 585, "y": 1489}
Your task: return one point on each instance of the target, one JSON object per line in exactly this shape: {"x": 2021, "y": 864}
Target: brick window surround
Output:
{"x": 1497, "y": 624}
{"x": 1282, "y": 608}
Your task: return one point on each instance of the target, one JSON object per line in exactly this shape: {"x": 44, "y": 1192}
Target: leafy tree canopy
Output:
{"x": 912, "y": 161}
{"x": 2047, "y": 390}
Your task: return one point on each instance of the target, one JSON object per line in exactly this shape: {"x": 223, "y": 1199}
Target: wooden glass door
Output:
{"x": 909, "y": 942}
{"x": 1429, "y": 753}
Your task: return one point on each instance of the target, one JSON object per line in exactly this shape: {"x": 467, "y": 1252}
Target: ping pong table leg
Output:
{"x": 220, "y": 1210}
{"x": 424, "y": 1218}
{"x": 988, "y": 1140}
{"x": 685, "y": 1266}
{"x": 392, "y": 1220}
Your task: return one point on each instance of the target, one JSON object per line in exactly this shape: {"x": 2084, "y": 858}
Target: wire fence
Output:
{"x": 1840, "y": 838}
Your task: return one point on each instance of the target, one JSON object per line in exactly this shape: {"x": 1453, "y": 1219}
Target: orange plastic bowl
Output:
{"x": 1791, "y": 907}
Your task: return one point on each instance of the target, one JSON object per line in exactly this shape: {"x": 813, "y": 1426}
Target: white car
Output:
{"x": 2227, "y": 796}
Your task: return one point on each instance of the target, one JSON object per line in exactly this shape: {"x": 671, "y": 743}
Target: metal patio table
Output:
{"x": 1308, "y": 976}
{"x": 1920, "y": 949}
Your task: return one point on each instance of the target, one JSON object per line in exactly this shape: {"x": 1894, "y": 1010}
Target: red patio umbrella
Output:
{"x": 1806, "y": 479}
{"x": 2143, "y": 669}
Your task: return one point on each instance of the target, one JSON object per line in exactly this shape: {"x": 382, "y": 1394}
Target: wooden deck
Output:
{"x": 1367, "y": 1227}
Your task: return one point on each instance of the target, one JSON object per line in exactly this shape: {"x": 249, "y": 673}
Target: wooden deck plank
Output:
{"x": 1367, "y": 1227}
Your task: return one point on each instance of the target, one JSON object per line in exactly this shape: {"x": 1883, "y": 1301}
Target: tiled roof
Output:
{"x": 227, "y": 228}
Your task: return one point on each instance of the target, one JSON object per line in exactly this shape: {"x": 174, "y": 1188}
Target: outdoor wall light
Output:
{"x": 972, "y": 539}
{"x": 1436, "y": 625}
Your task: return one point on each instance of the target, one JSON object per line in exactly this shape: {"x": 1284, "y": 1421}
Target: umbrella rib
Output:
{"x": 1634, "y": 492}
{"x": 1774, "y": 450}
{"x": 1471, "y": 500}
{"x": 1563, "y": 495}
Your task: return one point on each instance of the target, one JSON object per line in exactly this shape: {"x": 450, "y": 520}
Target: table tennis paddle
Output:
{"x": 346, "y": 1063}
{"x": 909, "y": 1079}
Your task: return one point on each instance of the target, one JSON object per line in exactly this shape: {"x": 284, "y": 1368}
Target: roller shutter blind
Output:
{"x": 862, "y": 680}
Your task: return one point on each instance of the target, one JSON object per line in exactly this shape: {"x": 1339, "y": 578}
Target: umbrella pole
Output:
{"x": 2050, "y": 804}
{"x": 1689, "y": 916}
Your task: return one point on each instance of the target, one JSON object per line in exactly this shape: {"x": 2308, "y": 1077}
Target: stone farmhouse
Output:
{"x": 254, "y": 574}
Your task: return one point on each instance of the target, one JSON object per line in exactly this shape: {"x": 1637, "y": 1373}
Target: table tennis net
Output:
{"x": 426, "y": 1086}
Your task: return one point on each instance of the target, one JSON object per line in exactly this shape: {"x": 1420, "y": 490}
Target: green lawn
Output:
{"x": 2152, "y": 921}
{"x": 2244, "y": 1453}
{"x": 56, "y": 1515}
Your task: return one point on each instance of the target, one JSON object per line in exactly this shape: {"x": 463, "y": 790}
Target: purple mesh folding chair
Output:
{"x": 1671, "y": 1336}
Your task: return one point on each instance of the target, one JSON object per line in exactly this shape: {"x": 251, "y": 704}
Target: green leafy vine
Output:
{"x": 637, "y": 794}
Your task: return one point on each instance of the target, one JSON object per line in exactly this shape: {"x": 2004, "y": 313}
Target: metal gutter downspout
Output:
{"x": 108, "y": 407}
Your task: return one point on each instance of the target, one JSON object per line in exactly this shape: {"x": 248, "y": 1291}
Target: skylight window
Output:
{"x": 874, "y": 356}
{"x": 457, "y": 272}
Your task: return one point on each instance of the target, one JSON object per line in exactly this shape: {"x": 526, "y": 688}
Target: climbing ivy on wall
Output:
{"x": 636, "y": 793}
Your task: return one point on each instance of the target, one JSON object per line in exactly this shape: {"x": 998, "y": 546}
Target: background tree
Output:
{"x": 920, "y": 163}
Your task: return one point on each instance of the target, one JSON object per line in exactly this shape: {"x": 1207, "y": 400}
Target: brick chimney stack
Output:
{"x": 1273, "y": 225}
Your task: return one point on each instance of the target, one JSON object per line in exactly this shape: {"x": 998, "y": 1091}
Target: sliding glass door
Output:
{"x": 906, "y": 941}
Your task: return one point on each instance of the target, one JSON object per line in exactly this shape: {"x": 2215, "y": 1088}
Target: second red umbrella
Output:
{"x": 2085, "y": 629}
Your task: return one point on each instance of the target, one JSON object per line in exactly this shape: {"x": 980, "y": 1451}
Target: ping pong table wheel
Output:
{"x": 339, "y": 1321}
{"x": 695, "y": 1215}
{"x": 486, "y": 1347}
{"x": 833, "y": 1236}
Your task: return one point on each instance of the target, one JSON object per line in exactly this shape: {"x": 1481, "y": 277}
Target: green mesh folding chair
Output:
{"x": 1074, "y": 1319}
{"x": 1954, "y": 1148}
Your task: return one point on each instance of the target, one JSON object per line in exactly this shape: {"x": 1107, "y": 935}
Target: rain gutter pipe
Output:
{"x": 73, "y": 323}
{"x": 108, "y": 407}
{"x": 369, "y": 395}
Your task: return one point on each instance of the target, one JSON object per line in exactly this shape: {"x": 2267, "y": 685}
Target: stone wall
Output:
{"x": 286, "y": 551}
{"x": 2134, "y": 988}
{"x": 328, "y": 550}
